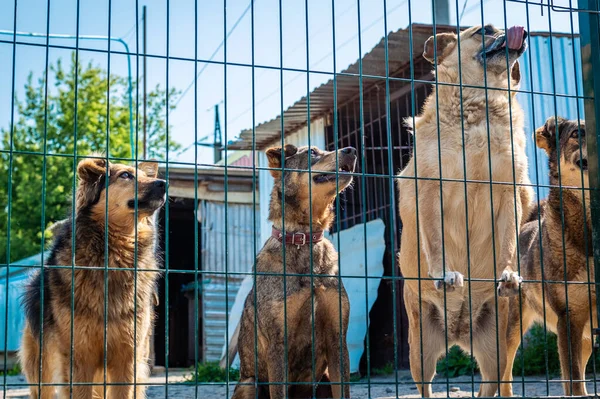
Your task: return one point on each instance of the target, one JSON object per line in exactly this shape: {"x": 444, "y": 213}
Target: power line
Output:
{"x": 475, "y": 7}
{"x": 344, "y": 44}
{"x": 235, "y": 25}
{"x": 463, "y": 11}
{"x": 91, "y": 37}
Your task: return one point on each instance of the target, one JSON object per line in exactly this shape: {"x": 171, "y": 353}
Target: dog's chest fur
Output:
{"x": 127, "y": 293}
{"x": 322, "y": 257}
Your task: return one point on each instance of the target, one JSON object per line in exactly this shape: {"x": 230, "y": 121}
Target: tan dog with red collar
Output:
{"x": 280, "y": 306}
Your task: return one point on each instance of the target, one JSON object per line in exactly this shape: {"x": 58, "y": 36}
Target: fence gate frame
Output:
{"x": 589, "y": 30}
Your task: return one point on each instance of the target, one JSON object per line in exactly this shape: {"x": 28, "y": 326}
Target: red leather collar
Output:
{"x": 297, "y": 239}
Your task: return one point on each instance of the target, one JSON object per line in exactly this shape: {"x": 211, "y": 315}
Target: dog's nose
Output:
{"x": 349, "y": 151}
{"x": 160, "y": 183}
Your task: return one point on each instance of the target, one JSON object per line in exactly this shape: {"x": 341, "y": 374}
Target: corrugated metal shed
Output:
{"x": 540, "y": 76}
{"x": 226, "y": 247}
{"x": 237, "y": 254}
{"x": 15, "y": 318}
{"x": 321, "y": 98}
{"x": 218, "y": 299}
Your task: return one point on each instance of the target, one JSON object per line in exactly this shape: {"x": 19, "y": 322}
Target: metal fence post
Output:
{"x": 589, "y": 29}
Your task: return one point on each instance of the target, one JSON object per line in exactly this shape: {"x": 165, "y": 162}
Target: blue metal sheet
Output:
{"x": 550, "y": 66}
{"x": 15, "y": 319}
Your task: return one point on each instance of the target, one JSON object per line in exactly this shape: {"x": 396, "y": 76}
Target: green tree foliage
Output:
{"x": 46, "y": 120}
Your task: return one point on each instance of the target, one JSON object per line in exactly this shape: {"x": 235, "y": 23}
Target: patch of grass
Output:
{"x": 530, "y": 358}
{"x": 16, "y": 370}
{"x": 385, "y": 370}
{"x": 211, "y": 372}
{"x": 456, "y": 363}
{"x": 537, "y": 345}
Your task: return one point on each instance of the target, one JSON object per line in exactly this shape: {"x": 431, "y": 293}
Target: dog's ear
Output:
{"x": 91, "y": 170}
{"x": 515, "y": 74}
{"x": 274, "y": 156}
{"x": 545, "y": 136}
{"x": 149, "y": 168}
{"x": 443, "y": 43}
{"x": 91, "y": 174}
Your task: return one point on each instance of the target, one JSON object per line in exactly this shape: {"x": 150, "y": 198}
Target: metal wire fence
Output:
{"x": 343, "y": 231}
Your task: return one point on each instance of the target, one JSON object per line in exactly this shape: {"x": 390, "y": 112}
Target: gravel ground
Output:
{"x": 381, "y": 387}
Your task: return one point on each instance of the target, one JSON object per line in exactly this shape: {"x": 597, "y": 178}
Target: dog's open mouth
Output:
{"x": 147, "y": 203}
{"x": 513, "y": 40}
{"x": 343, "y": 172}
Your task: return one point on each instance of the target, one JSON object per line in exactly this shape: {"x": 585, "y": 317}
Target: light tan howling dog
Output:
{"x": 493, "y": 142}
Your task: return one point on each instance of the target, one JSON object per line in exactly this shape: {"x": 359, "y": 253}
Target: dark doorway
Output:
{"x": 183, "y": 258}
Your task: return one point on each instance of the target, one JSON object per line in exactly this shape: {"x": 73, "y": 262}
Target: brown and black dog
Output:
{"x": 128, "y": 297}
{"x": 560, "y": 241}
{"x": 295, "y": 195}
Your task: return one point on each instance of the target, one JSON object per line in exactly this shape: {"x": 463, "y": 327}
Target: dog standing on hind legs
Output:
{"x": 299, "y": 192}
{"x": 493, "y": 147}
{"x": 94, "y": 201}
{"x": 563, "y": 234}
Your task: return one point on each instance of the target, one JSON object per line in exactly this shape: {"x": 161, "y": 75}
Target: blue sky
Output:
{"x": 94, "y": 20}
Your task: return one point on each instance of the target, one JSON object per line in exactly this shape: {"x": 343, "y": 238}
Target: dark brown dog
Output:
{"x": 280, "y": 306}
{"x": 129, "y": 295}
{"x": 566, "y": 251}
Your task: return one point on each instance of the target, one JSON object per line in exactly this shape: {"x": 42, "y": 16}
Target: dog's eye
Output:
{"x": 486, "y": 31}
{"x": 313, "y": 152}
{"x": 126, "y": 175}
{"x": 577, "y": 133}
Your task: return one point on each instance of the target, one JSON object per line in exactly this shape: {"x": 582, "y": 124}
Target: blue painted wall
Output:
{"x": 549, "y": 67}
{"x": 12, "y": 317}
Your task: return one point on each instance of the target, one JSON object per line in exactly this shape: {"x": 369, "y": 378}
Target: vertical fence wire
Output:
{"x": 337, "y": 189}
{"x": 539, "y": 225}
{"x": 167, "y": 229}
{"x": 197, "y": 211}
{"x": 585, "y": 207}
{"x": 9, "y": 190}
{"x": 106, "y": 227}
{"x": 467, "y": 239}
{"x": 391, "y": 186}
{"x": 310, "y": 209}
{"x": 589, "y": 27}
{"x": 136, "y": 157}
{"x": 43, "y": 216}
{"x": 436, "y": 60}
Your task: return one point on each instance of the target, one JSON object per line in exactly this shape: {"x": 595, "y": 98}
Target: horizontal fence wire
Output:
{"x": 420, "y": 194}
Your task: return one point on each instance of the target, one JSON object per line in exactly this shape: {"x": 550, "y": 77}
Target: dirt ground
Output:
{"x": 381, "y": 387}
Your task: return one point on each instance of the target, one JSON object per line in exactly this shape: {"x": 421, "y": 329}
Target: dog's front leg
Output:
{"x": 430, "y": 229}
{"x": 335, "y": 319}
{"x": 570, "y": 348}
{"x": 509, "y": 219}
{"x": 276, "y": 367}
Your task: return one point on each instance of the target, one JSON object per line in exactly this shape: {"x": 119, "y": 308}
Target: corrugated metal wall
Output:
{"x": 226, "y": 247}
{"x": 540, "y": 75}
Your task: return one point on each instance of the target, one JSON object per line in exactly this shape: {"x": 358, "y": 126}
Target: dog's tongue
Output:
{"x": 514, "y": 37}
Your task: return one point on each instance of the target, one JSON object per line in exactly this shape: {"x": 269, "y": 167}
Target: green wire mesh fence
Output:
{"x": 368, "y": 198}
